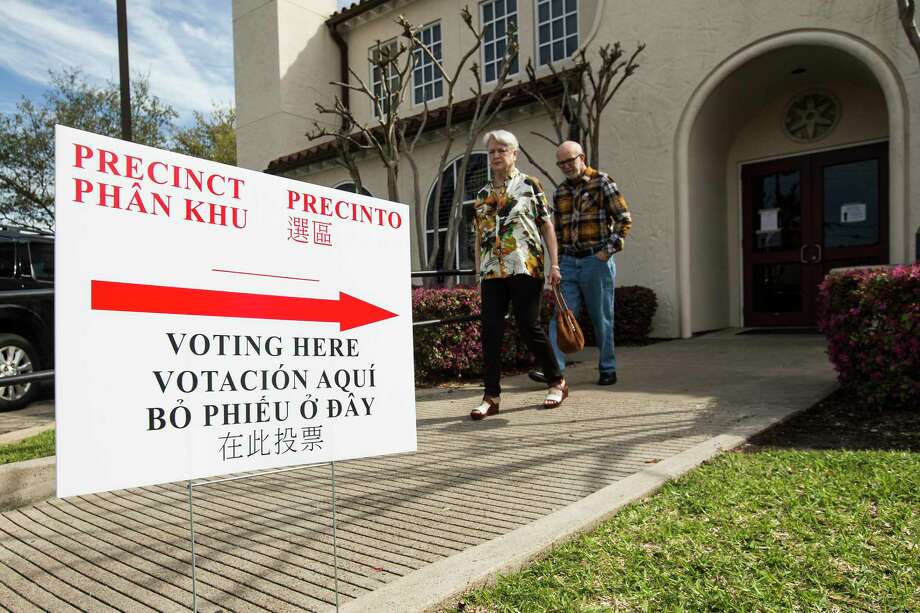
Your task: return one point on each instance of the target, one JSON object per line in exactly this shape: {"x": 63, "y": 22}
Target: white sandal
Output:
{"x": 556, "y": 394}
{"x": 488, "y": 407}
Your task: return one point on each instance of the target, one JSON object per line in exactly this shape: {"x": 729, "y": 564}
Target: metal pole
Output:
{"x": 335, "y": 548}
{"x": 191, "y": 526}
{"x": 124, "y": 73}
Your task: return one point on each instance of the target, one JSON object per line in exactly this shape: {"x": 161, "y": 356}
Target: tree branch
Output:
{"x": 537, "y": 165}
{"x": 907, "y": 10}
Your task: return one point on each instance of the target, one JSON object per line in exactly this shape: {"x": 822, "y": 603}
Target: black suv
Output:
{"x": 26, "y": 323}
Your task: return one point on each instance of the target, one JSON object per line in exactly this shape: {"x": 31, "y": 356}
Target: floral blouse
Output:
{"x": 507, "y": 222}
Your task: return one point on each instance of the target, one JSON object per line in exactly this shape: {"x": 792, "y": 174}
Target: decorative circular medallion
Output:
{"x": 811, "y": 116}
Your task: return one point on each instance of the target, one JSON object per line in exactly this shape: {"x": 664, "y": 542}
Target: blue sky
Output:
{"x": 185, "y": 47}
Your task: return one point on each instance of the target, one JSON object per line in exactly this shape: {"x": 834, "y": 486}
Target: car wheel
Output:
{"x": 17, "y": 357}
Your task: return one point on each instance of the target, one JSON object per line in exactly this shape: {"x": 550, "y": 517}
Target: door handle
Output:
{"x": 819, "y": 256}
{"x": 802, "y": 254}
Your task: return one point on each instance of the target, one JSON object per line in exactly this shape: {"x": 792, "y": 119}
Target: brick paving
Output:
{"x": 265, "y": 543}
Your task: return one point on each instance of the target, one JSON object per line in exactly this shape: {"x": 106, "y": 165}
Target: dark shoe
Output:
{"x": 607, "y": 378}
{"x": 538, "y": 376}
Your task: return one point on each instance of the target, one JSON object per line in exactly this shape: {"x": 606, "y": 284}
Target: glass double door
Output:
{"x": 803, "y": 216}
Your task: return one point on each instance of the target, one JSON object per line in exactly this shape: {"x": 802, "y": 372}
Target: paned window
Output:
{"x": 557, "y": 30}
{"x": 477, "y": 176}
{"x": 383, "y": 50}
{"x": 499, "y": 19}
{"x": 427, "y": 83}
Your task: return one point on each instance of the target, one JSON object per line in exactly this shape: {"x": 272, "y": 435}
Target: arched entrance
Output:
{"x": 735, "y": 120}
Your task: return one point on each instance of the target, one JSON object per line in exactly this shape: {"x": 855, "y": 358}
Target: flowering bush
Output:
{"x": 871, "y": 319}
{"x": 453, "y": 351}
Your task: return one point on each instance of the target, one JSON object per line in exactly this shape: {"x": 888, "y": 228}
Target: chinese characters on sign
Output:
{"x": 299, "y": 231}
{"x": 266, "y": 442}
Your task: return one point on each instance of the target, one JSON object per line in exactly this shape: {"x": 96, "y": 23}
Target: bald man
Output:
{"x": 592, "y": 221}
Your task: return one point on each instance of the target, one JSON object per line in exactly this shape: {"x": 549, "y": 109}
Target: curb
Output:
{"x": 437, "y": 585}
{"x": 27, "y": 482}
{"x": 17, "y": 435}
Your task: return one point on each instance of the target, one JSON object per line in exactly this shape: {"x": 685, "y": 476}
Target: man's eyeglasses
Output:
{"x": 571, "y": 160}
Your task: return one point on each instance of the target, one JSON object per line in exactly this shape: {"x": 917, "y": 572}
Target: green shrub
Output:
{"x": 634, "y": 307}
{"x": 453, "y": 351}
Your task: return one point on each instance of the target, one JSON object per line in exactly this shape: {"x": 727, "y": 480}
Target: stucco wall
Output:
{"x": 361, "y": 36}
{"x": 283, "y": 60}
{"x": 688, "y": 41}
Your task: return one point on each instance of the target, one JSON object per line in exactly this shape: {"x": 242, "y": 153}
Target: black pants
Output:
{"x": 525, "y": 294}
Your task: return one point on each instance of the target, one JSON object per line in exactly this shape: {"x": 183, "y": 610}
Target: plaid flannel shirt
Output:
{"x": 590, "y": 214}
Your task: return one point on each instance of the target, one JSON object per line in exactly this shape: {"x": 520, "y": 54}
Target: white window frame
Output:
{"x": 378, "y": 82}
{"x": 455, "y": 169}
{"x": 540, "y": 43}
{"x": 423, "y": 61}
{"x": 495, "y": 63}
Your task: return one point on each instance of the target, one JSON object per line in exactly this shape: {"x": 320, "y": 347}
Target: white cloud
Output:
{"x": 185, "y": 48}
{"x": 34, "y": 40}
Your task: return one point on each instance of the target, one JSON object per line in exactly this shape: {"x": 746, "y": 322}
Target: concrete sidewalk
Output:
{"x": 35, "y": 418}
{"x": 477, "y": 498}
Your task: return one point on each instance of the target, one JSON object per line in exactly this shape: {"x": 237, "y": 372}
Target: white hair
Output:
{"x": 502, "y": 137}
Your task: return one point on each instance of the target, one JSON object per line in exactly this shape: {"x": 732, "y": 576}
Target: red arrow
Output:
{"x": 348, "y": 311}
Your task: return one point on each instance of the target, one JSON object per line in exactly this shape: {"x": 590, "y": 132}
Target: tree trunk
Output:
{"x": 456, "y": 209}
{"x": 595, "y": 144}
{"x": 419, "y": 211}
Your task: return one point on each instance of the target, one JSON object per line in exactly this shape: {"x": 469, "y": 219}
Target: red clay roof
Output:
{"x": 355, "y": 8}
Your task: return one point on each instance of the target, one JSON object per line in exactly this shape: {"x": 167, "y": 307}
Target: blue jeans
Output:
{"x": 589, "y": 282}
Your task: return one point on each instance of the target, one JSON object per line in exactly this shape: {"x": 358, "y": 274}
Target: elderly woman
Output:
{"x": 511, "y": 216}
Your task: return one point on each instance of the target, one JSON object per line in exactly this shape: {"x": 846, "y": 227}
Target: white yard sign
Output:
{"x": 212, "y": 320}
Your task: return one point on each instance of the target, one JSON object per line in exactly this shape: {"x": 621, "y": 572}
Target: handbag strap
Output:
{"x": 560, "y": 299}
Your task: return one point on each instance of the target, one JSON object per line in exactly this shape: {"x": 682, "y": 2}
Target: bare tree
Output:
{"x": 485, "y": 107}
{"x": 587, "y": 90}
{"x": 410, "y": 134}
{"x": 394, "y": 138}
{"x": 392, "y": 63}
{"x": 907, "y": 10}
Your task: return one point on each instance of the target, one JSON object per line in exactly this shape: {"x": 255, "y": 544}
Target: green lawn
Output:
{"x": 770, "y": 531}
{"x": 37, "y": 446}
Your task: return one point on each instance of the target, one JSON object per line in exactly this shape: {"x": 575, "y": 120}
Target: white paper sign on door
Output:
{"x": 769, "y": 220}
{"x": 212, "y": 320}
{"x": 853, "y": 212}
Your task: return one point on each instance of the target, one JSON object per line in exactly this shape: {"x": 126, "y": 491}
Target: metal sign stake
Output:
{"x": 335, "y": 549}
{"x": 191, "y": 526}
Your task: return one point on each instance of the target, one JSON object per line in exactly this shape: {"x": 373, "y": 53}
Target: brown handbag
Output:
{"x": 569, "y": 336}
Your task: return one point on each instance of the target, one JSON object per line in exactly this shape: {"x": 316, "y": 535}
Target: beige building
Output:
{"x": 759, "y": 145}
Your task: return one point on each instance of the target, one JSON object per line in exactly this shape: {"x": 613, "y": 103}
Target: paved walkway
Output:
{"x": 266, "y": 543}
